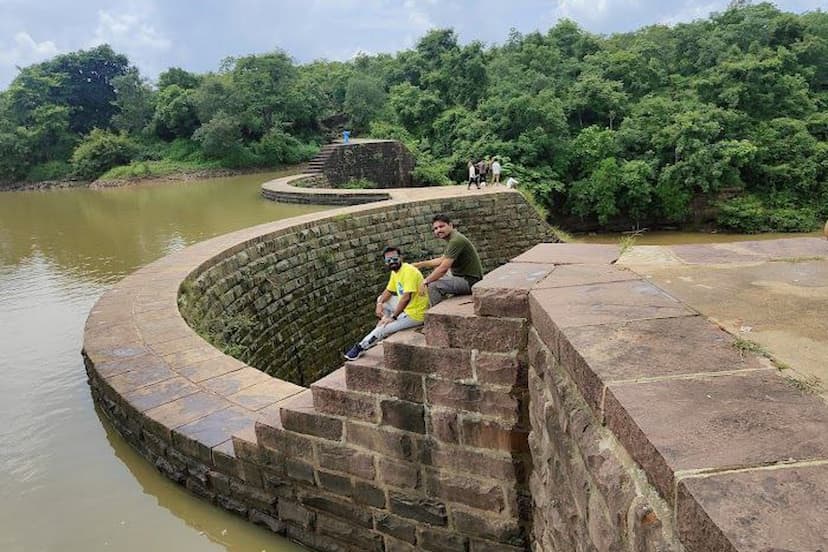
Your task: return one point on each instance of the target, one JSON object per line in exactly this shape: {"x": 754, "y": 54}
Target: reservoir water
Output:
{"x": 68, "y": 482}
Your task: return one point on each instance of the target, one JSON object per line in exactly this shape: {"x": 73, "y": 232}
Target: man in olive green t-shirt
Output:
{"x": 457, "y": 270}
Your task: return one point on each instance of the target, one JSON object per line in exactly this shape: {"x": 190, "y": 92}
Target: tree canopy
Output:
{"x": 633, "y": 128}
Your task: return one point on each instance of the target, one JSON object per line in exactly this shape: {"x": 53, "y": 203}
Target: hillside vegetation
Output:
{"x": 634, "y": 128}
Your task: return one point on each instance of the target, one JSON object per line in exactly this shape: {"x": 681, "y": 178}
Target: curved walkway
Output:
{"x": 287, "y": 189}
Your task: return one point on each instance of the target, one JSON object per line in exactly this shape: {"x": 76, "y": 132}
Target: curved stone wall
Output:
{"x": 291, "y": 302}
{"x": 360, "y": 461}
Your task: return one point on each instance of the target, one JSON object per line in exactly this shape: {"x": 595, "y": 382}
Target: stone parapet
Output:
{"x": 343, "y": 465}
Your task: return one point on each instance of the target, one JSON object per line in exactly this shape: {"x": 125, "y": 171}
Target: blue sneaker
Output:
{"x": 354, "y": 352}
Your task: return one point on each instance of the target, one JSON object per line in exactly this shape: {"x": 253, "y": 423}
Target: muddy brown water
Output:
{"x": 68, "y": 482}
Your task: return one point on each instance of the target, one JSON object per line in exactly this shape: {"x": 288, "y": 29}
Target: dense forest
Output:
{"x": 628, "y": 129}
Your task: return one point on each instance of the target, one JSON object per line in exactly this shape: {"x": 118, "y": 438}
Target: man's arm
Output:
{"x": 430, "y": 263}
{"x": 405, "y": 298}
{"x": 381, "y": 300}
{"x": 442, "y": 267}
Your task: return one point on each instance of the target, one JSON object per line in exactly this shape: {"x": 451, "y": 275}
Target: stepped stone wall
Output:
{"x": 387, "y": 163}
{"x": 286, "y": 296}
{"x": 568, "y": 405}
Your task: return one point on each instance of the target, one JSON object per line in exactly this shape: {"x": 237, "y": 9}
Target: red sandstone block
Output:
{"x": 409, "y": 352}
{"x": 403, "y": 415}
{"x": 453, "y": 323}
{"x": 508, "y": 406}
{"x": 395, "y": 526}
{"x": 443, "y": 425}
{"x": 168, "y": 416}
{"x": 504, "y": 291}
{"x": 489, "y": 463}
{"x": 437, "y": 540}
{"x": 489, "y": 527}
{"x": 387, "y": 442}
{"x": 331, "y": 396}
{"x": 491, "y": 435}
{"x": 346, "y": 460}
{"x": 370, "y": 379}
{"x": 507, "y": 369}
{"x": 399, "y": 474}
{"x": 199, "y": 437}
{"x": 417, "y": 507}
{"x": 299, "y": 415}
{"x": 271, "y": 435}
{"x": 477, "y": 493}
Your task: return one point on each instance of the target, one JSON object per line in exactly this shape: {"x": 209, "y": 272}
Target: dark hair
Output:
{"x": 442, "y": 218}
{"x": 390, "y": 248}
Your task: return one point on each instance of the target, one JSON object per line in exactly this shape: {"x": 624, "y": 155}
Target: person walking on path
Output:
{"x": 472, "y": 177}
{"x": 400, "y": 306}
{"x": 457, "y": 270}
{"x": 496, "y": 168}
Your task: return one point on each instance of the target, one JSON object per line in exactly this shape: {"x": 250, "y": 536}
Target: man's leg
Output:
{"x": 447, "y": 285}
{"x": 381, "y": 332}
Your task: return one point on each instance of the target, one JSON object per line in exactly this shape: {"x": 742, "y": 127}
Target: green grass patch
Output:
{"x": 150, "y": 169}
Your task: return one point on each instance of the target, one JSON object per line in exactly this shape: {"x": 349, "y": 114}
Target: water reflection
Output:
{"x": 61, "y": 486}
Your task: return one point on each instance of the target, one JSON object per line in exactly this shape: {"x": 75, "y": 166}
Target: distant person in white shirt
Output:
{"x": 496, "y": 168}
{"x": 472, "y": 177}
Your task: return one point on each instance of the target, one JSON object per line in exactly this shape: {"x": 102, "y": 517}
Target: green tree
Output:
{"x": 175, "y": 113}
{"x": 134, "y": 102}
{"x": 100, "y": 151}
{"x": 364, "y": 98}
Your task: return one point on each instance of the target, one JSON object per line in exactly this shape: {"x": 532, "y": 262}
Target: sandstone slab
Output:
{"x": 569, "y": 253}
{"x": 724, "y": 422}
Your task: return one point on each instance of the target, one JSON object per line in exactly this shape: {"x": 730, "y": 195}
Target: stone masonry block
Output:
{"x": 403, "y": 415}
{"x": 491, "y": 435}
{"x": 408, "y": 352}
{"x": 453, "y": 323}
{"x": 418, "y": 508}
{"x": 369, "y": 379}
{"x": 477, "y": 493}
{"x": 345, "y": 459}
{"x": 388, "y": 442}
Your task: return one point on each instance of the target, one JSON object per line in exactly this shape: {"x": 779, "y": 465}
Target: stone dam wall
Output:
{"x": 533, "y": 415}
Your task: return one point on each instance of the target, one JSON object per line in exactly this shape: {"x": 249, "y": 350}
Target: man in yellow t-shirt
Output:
{"x": 400, "y": 305}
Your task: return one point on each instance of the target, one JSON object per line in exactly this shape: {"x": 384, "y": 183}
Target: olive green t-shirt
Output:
{"x": 466, "y": 261}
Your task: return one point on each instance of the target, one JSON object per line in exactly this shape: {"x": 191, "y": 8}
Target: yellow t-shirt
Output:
{"x": 408, "y": 279}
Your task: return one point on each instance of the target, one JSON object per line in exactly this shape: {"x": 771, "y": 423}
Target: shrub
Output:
{"x": 100, "y": 151}
{"x": 749, "y": 214}
{"x": 219, "y": 136}
{"x": 277, "y": 147}
{"x": 51, "y": 170}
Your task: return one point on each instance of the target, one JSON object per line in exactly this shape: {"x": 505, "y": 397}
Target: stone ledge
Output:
{"x": 700, "y": 415}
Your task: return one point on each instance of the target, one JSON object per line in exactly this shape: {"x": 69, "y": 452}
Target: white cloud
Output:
{"x": 128, "y": 30}
{"x": 25, "y": 50}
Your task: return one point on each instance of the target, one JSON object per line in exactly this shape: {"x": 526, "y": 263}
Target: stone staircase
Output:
{"x": 421, "y": 443}
{"x": 317, "y": 164}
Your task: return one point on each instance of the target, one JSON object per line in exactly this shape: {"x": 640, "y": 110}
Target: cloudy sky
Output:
{"x": 197, "y": 34}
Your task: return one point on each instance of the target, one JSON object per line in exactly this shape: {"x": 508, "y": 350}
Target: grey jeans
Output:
{"x": 447, "y": 285}
{"x": 403, "y": 322}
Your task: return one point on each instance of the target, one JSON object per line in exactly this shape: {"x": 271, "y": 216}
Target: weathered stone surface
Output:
{"x": 409, "y": 352}
{"x": 359, "y": 537}
{"x": 569, "y": 253}
{"x": 150, "y": 396}
{"x": 265, "y": 394}
{"x": 397, "y": 527}
{"x": 602, "y": 304}
{"x": 724, "y": 422}
{"x": 489, "y": 527}
{"x": 583, "y": 274}
{"x": 182, "y": 411}
{"x": 403, "y": 415}
{"x": 299, "y": 415}
{"x": 504, "y": 291}
{"x": 384, "y": 441}
{"x": 405, "y": 386}
{"x": 437, "y": 540}
{"x": 725, "y": 511}
{"x": 418, "y": 508}
{"x": 331, "y": 396}
{"x": 346, "y": 459}
{"x": 477, "y": 493}
{"x": 508, "y": 407}
{"x": 499, "y": 368}
{"x": 140, "y": 377}
{"x": 599, "y": 355}
{"x": 491, "y": 435}
{"x": 453, "y": 324}
{"x": 233, "y": 382}
{"x": 199, "y": 437}
{"x": 404, "y": 475}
